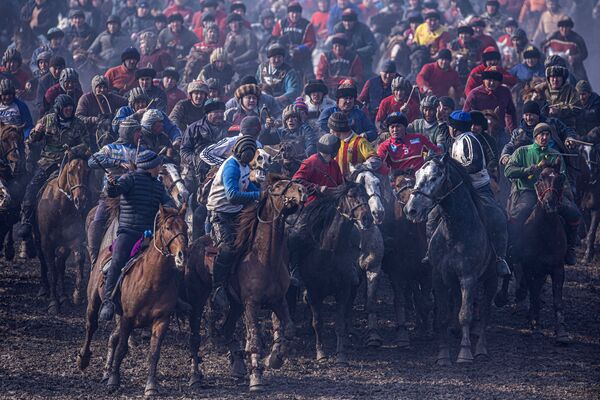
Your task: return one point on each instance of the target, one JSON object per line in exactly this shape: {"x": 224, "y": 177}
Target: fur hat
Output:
{"x": 246, "y": 90}
{"x": 566, "y": 22}
{"x": 583, "y": 86}
{"x": 389, "y": 66}
{"x": 99, "y": 80}
{"x": 175, "y": 17}
{"x": 315, "y": 85}
{"x": 492, "y": 73}
{"x": 531, "y": 52}
{"x": 130, "y": 53}
{"x": 531, "y": 107}
{"x": 145, "y": 73}
{"x": 338, "y": 122}
{"x": 171, "y": 72}
{"x": 349, "y": 15}
{"x": 147, "y": 159}
{"x": 275, "y": 50}
{"x": 197, "y": 86}
{"x": 444, "y": 54}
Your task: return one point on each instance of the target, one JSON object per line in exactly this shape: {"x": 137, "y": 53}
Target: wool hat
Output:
{"x": 275, "y": 50}
{"x": 147, "y": 159}
{"x": 213, "y": 105}
{"x": 478, "y": 118}
{"x": 250, "y": 125}
{"x": 175, "y": 17}
{"x": 541, "y": 127}
{"x": 248, "y": 80}
{"x": 99, "y": 80}
{"x": 246, "y": 90}
{"x": 415, "y": 19}
{"x": 388, "y": 66}
{"x": 460, "y": 120}
{"x": 444, "y": 54}
{"x": 531, "y": 52}
{"x": 490, "y": 53}
{"x": 130, "y": 53}
{"x": 346, "y": 88}
{"x": 300, "y": 104}
{"x": 566, "y": 22}
{"x": 171, "y": 72}
{"x": 492, "y": 73}
{"x": 447, "y": 102}
{"x": 349, "y": 15}
{"x": 43, "y": 55}
{"x": 465, "y": 29}
{"x": 57, "y": 62}
{"x": 531, "y": 107}
{"x": 127, "y": 128}
{"x": 62, "y": 101}
{"x": 315, "y": 85}
{"x": 208, "y": 17}
{"x": 492, "y": 3}
{"x": 338, "y": 122}
{"x": 145, "y": 73}
{"x": 209, "y": 4}
{"x": 328, "y": 144}
{"x": 245, "y": 143}
{"x": 113, "y": 19}
{"x": 197, "y": 86}
{"x": 340, "y": 39}
{"x": 294, "y": 6}
{"x": 396, "y": 118}
{"x": 218, "y": 54}
{"x": 76, "y": 13}
{"x": 583, "y": 86}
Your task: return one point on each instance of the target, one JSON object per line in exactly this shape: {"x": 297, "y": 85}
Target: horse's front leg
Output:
{"x": 60, "y": 265}
{"x": 236, "y": 356}
{"x": 282, "y": 332}
{"x": 79, "y": 258}
{"x": 159, "y": 330}
{"x": 465, "y": 317}
{"x": 91, "y": 324}
{"x": 253, "y": 346}
{"x": 591, "y": 236}
{"x": 402, "y": 340}
{"x": 341, "y": 332}
{"x": 125, "y": 327}
{"x": 558, "y": 279}
{"x": 490, "y": 285}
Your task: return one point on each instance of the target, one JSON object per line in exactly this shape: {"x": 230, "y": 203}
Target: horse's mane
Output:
{"x": 321, "y": 211}
{"x": 457, "y": 168}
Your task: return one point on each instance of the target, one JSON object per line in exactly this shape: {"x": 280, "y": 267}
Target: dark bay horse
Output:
{"x": 459, "y": 251}
{"x": 326, "y": 250}
{"x": 60, "y": 228}
{"x": 405, "y": 247}
{"x": 12, "y": 184}
{"x": 261, "y": 276}
{"x": 545, "y": 251}
{"x": 590, "y": 193}
{"x": 148, "y": 296}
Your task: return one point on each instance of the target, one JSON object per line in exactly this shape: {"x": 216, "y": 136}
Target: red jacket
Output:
{"x": 486, "y": 41}
{"x": 314, "y": 172}
{"x": 159, "y": 60}
{"x": 432, "y": 77}
{"x": 475, "y": 80}
{"x": 54, "y": 91}
{"x": 331, "y": 79}
{"x": 121, "y": 78}
{"x": 319, "y": 22}
{"x": 407, "y": 153}
{"x": 481, "y": 99}
{"x": 390, "y": 105}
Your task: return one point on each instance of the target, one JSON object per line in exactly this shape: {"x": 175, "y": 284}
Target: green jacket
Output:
{"x": 526, "y": 156}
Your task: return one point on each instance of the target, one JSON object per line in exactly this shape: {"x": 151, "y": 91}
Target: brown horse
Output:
{"x": 148, "y": 295}
{"x": 261, "y": 276}
{"x": 60, "y": 228}
{"x": 12, "y": 183}
{"x": 405, "y": 248}
{"x": 545, "y": 251}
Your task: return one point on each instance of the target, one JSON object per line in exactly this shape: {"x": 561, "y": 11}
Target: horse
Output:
{"x": 590, "y": 194}
{"x": 12, "y": 183}
{"x": 261, "y": 276}
{"x": 322, "y": 242}
{"x": 459, "y": 252}
{"x": 380, "y": 202}
{"x": 287, "y": 156}
{"x": 60, "y": 228}
{"x": 411, "y": 280}
{"x": 545, "y": 251}
{"x": 148, "y": 295}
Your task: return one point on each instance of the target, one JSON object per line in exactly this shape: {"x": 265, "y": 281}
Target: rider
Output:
{"x": 190, "y": 110}
{"x": 154, "y": 136}
{"x": 354, "y": 149}
{"x": 216, "y": 154}
{"x": 230, "y": 191}
{"x": 403, "y": 99}
{"x": 468, "y": 151}
{"x": 68, "y": 83}
{"x": 58, "y": 129}
{"x": 561, "y": 97}
{"x": 277, "y": 77}
{"x": 293, "y": 129}
{"x": 116, "y": 157}
{"x": 522, "y": 167}
{"x": 12, "y": 110}
{"x": 141, "y": 193}
{"x": 590, "y": 112}
{"x": 402, "y": 151}
{"x": 429, "y": 126}
{"x": 99, "y": 103}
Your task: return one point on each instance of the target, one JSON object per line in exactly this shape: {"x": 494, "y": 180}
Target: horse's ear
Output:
{"x": 161, "y": 209}
{"x": 183, "y": 209}
{"x": 556, "y": 164}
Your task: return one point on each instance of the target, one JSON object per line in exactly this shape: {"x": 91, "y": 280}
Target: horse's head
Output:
{"x": 170, "y": 234}
{"x": 10, "y": 137}
{"x": 373, "y": 187}
{"x": 292, "y": 155}
{"x": 260, "y": 165}
{"x": 430, "y": 184}
{"x": 73, "y": 179}
{"x": 549, "y": 188}
{"x": 401, "y": 185}
{"x": 4, "y": 196}
{"x": 104, "y": 134}
{"x": 353, "y": 205}
{"x": 170, "y": 177}
{"x": 287, "y": 195}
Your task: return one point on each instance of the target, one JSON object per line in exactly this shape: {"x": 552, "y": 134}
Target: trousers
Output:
{"x": 120, "y": 255}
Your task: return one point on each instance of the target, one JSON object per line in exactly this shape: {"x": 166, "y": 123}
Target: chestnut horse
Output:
{"x": 60, "y": 228}
{"x": 12, "y": 183}
{"x": 148, "y": 295}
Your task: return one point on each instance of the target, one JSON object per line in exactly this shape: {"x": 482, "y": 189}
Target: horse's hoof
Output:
{"x": 53, "y": 307}
{"x": 114, "y": 381}
{"x": 274, "y": 361}
{"x": 443, "y": 362}
{"x": 77, "y": 300}
{"x": 195, "y": 381}
{"x": 43, "y": 292}
{"x": 374, "y": 340}
{"x": 464, "y": 356}
{"x": 341, "y": 360}
{"x": 402, "y": 339}
{"x": 256, "y": 383}
{"x": 105, "y": 377}
{"x": 501, "y": 299}
{"x": 464, "y": 360}
{"x": 482, "y": 357}
{"x": 321, "y": 356}
{"x": 151, "y": 391}
{"x": 83, "y": 360}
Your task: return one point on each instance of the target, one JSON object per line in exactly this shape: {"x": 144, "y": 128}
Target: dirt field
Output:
{"x": 38, "y": 356}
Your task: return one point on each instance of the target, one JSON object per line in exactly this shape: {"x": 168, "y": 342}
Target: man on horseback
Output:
{"x": 141, "y": 195}
{"x": 12, "y": 110}
{"x": 116, "y": 157}
{"x": 59, "y": 129}
{"x": 402, "y": 151}
{"x": 468, "y": 150}
{"x": 523, "y": 167}
{"x": 230, "y": 191}
{"x": 292, "y": 129}
{"x": 429, "y": 126}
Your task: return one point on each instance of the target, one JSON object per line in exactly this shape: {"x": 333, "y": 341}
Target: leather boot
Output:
{"x": 108, "y": 306}
{"x": 221, "y": 271}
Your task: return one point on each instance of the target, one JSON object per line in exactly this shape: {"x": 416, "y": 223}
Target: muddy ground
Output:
{"x": 38, "y": 355}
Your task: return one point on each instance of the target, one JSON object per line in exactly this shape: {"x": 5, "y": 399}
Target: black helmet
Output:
{"x": 328, "y": 144}
{"x": 12, "y": 54}
{"x": 7, "y": 87}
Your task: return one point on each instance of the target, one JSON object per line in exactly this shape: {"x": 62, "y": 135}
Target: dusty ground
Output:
{"x": 38, "y": 356}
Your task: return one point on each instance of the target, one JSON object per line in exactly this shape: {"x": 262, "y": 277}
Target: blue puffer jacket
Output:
{"x": 141, "y": 195}
{"x": 126, "y": 111}
{"x": 360, "y": 123}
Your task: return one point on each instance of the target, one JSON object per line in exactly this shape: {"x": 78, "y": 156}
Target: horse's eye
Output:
{"x": 259, "y": 158}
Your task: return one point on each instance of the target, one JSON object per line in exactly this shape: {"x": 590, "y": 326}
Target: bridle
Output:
{"x": 351, "y": 215}
{"x": 541, "y": 196}
{"x": 271, "y": 195}
{"x": 437, "y": 200}
{"x": 409, "y": 184}
{"x": 165, "y": 247}
{"x": 68, "y": 192}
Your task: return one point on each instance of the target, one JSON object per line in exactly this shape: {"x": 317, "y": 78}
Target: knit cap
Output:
{"x": 338, "y": 122}
{"x": 147, "y": 159}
